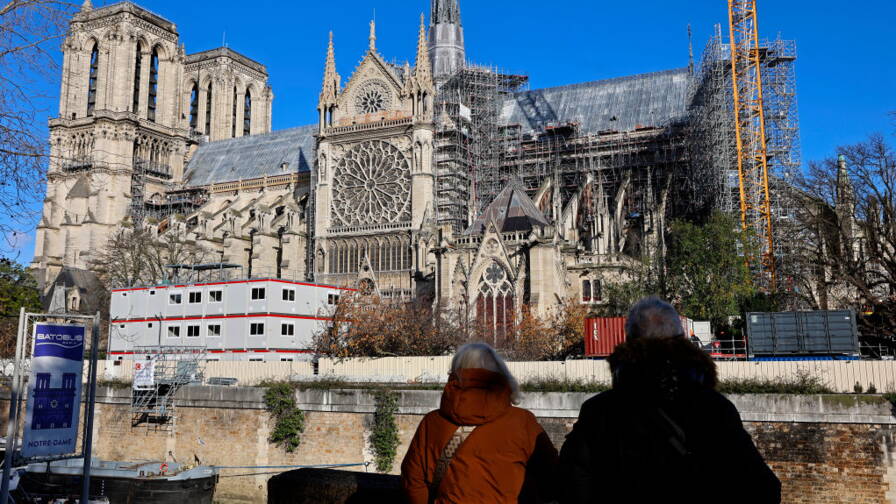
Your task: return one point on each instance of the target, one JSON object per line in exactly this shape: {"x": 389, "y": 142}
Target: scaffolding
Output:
{"x": 713, "y": 140}
{"x": 163, "y": 370}
{"x": 469, "y": 141}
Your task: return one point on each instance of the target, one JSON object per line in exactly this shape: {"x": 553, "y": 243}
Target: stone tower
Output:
{"x": 130, "y": 110}
{"x": 446, "y": 39}
{"x": 374, "y": 179}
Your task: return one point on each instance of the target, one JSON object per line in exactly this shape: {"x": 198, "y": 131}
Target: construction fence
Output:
{"x": 840, "y": 376}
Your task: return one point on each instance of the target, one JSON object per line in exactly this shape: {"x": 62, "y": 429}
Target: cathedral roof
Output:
{"x": 621, "y": 104}
{"x": 251, "y": 157}
{"x": 512, "y": 210}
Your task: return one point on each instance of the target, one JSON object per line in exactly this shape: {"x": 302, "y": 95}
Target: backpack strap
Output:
{"x": 457, "y": 439}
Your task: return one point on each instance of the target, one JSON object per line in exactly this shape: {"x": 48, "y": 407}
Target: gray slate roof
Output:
{"x": 253, "y": 156}
{"x": 512, "y": 210}
{"x": 621, "y": 104}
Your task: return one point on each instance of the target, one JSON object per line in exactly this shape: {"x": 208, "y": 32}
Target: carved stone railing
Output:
{"x": 369, "y": 126}
{"x": 256, "y": 183}
{"x": 398, "y": 226}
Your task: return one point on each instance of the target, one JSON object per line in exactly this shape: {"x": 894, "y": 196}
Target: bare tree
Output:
{"x": 138, "y": 257}
{"x": 28, "y": 30}
{"x": 848, "y": 233}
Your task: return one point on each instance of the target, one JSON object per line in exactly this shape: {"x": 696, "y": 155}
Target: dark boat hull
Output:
{"x": 124, "y": 490}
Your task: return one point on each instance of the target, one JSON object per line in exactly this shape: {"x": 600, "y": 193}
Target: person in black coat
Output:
{"x": 663, "y": 433}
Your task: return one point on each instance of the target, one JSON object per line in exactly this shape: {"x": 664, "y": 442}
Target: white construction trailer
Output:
{"x": 241, "y": 320}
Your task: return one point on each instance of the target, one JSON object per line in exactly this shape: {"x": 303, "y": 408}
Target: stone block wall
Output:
{"x": 824, "y": 449}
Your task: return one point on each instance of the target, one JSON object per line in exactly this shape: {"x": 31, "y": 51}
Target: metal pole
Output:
{"x": 91, "y": 402}
{"x": 12, "y": 426}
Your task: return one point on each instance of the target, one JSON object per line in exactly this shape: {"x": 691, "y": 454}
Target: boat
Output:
{"x": 118, "y": 482}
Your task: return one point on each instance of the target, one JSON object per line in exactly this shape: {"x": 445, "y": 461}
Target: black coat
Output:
{"x": 663, "y": 435}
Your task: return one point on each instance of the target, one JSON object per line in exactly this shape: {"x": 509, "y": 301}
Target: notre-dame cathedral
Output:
{"x": 441, "y": 179}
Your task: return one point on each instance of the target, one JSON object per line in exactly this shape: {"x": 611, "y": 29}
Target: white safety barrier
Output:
{"x": 840, "y": 376}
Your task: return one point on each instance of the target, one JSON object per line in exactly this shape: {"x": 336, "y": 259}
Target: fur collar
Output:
{"x": 663, "y": 368}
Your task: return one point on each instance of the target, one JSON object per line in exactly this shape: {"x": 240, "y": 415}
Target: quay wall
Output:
{"x": 825, "y": 449}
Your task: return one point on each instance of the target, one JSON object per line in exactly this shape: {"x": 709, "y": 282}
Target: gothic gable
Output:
{"x": 374, "y": 87}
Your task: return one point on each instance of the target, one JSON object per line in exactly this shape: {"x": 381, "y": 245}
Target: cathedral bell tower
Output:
{"x": 374, "y": 173}
{"x": 119, "y": 109}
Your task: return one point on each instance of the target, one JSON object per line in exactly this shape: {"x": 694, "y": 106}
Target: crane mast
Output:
{"x": 752, "y": 145}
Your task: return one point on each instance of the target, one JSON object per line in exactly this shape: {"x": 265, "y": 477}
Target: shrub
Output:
{"x": 857, "y": 388}
{"x": 872, "y": 389}
{"x": 289, "y": 420}
{"x": 384, "y": 435}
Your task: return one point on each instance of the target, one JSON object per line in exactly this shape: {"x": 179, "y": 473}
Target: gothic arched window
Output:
{"x": 138, "y": 69}
{"x": 233, "y": 121}
{"x": 194, "y": 107}
{"x": 94, "y": 74}
{"x": 208, "y": 110}
{"x": 495, "y": 303}
{"x": 247, "y": 114}
{"x": 153, "y": 85}
{"x": 332, "y": 258}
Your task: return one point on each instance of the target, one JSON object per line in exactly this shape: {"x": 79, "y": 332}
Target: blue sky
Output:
{"x": 846, "y": 69}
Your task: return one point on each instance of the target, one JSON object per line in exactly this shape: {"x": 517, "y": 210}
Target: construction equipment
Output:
{"x": 752, "y": 148}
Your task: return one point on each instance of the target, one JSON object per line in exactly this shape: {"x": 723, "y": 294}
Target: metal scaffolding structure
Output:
{"x": 750, "y": 132}
{"x": 770, "y": 141}
{"x": 164, "y": 371}
{"x": 469, "y": 141}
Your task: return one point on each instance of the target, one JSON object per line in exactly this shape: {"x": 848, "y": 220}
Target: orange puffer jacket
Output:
{"x": 507, "y": 459}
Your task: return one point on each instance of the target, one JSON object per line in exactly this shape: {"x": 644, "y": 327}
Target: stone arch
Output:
{"x": 94, "y": 65}
{"x": 158, "y": 70}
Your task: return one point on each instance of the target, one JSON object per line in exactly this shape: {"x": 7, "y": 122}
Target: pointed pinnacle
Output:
{"x": 87, "y": 6}
{"x": 331, "y": 79}
{"x": 424, "y": 67}
{"x": 372, "y": 36}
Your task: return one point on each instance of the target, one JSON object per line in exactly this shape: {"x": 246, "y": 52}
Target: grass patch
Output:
{"x": 115, "y": 383}
{"x": 563, "y": 385}
{"x": 801, "y": 384}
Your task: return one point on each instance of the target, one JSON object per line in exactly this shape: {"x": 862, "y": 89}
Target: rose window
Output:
{"x": 372, "y": 98}
{"x": 372, "y": 185}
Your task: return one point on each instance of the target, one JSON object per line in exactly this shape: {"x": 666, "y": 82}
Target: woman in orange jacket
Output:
{"x": 477, "y": 447}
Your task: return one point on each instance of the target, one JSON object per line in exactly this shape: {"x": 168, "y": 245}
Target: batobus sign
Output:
{"x": 54, "y": 391}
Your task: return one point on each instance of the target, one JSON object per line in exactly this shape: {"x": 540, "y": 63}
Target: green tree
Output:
{"x": 707, "y": 276}
{"x": 17, "y": 289}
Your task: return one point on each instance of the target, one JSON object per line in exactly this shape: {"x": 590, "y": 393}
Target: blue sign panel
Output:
{"x": 54, "y": 391}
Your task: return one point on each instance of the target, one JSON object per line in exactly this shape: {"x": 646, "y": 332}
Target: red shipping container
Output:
{"x": 602, "y": 335}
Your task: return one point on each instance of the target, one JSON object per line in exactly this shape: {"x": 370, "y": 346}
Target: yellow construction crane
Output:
{"x": 752, "y": 150}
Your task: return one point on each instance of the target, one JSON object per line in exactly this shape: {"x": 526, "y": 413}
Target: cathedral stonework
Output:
{"x": 577, "y": 186}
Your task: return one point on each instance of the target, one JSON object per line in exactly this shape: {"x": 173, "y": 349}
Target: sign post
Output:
{"x": 91, "y": 402}
{"x": 54, "y": 391}
{"x": 53, "y": 407}
{"x": 12, "y": 425}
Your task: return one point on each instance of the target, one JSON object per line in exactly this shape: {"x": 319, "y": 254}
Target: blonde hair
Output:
{"x": 483, "y": 356}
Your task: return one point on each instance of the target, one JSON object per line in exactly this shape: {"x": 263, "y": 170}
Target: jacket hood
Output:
{"x": 662, "y": 368}
{"x": 475, "y": 397}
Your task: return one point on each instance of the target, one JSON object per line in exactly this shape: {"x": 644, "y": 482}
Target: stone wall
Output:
{"x": 825, "y": 449}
